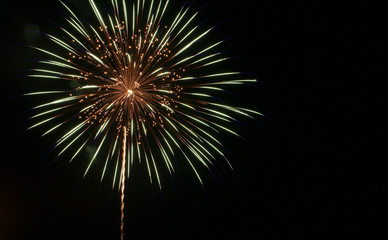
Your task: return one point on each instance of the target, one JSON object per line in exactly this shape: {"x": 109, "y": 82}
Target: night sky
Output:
{"x": 306, "y": 170}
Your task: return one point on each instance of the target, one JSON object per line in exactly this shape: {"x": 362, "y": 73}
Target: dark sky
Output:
{"x": 305, "y": 173}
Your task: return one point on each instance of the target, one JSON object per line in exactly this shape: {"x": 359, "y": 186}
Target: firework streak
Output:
{"x": 142, "y": 78}
{"x": 123, "y": 181}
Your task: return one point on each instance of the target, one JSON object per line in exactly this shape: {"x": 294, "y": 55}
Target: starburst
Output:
{"x": 142, "y": 79}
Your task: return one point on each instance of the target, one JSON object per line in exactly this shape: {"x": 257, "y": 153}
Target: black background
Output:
{"x": 310, "y": 171}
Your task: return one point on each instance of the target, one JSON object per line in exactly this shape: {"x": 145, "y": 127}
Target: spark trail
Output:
{"x": 124, "y": 150}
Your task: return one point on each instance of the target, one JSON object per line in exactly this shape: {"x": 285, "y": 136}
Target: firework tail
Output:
{"x": 123, "y": 180}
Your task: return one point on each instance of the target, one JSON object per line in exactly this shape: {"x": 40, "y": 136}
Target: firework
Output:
{"x": 143, "y": 79}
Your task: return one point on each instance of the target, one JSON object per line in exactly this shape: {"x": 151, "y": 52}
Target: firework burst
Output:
{"x": 141, "y": 80}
